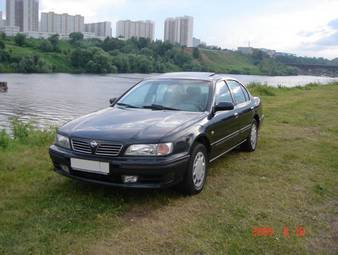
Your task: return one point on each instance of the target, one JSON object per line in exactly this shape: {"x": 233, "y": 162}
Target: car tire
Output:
{"x": 196, "y": 175}
{"x": 250, "y": 144}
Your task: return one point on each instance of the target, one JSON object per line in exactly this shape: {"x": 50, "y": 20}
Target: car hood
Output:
{"x": 119, "y": 124}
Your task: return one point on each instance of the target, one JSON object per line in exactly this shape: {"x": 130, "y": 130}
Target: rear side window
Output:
{"x": 247, "y": 97}
{"x": 237, "y": 92}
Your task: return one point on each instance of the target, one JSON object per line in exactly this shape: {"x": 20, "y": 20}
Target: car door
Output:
{"x": 243, "y": 108}
{"x": 224, "y": 124}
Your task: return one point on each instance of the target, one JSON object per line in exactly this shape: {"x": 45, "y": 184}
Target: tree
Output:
{"x": 2, "y": 36}
{"x": 121, "y": 61}
{"x": 76, "y": 37}
{"x": 92, "y": 60}
{"x": 196, "y": 53}
{"x": 143, "y": 43}
{"x": 100, "y": 62}
{"x": 54, "y": 40}
{"x": 20, "y": 39}
{"x": 4, "y": 56}
{"x": 46, "y": 46}
{"x": 32, "y": 64}
{"x": 110, "y": 44}
{"x": 258, "y": 56}
{"x": 2, "y": 45}
{"x": 80, "y": 57}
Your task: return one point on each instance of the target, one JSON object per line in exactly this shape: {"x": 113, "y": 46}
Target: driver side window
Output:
{"x": 223, "y": 93}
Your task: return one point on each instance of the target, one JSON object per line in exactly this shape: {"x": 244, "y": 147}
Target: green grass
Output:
{"x": 237, "y": 63}
{"x": 228, "y": 62}
{"x": 291, "y": 180}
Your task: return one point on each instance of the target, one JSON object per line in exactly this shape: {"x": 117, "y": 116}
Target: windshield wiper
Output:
{"x": 127, "y": 105}
{"x": 159, "y": 107}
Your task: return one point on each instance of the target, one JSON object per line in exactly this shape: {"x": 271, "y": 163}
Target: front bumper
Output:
{"x": 151, "y": 172}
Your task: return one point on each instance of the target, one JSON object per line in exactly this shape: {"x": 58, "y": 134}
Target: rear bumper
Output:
{"x": 152, "y": 173}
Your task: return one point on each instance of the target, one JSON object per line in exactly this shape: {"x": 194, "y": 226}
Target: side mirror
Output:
{"x": 112, "y": 100}
{"x": 224, "y": 106}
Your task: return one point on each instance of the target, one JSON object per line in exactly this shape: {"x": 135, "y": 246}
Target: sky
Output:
{"x": 302, "y": 27}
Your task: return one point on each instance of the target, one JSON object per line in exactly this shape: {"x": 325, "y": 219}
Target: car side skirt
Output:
{"x": 223, "y": 153}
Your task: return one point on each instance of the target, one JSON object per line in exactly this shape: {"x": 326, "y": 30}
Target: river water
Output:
{"x": 53, "y": 99}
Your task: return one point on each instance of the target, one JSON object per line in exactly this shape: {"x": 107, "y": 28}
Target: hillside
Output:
{"x": 77, "y": 55}
{"x": 236, "y": 63}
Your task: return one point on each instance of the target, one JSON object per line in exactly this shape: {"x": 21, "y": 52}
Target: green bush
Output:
{"x": 76, "y": 37}
{"x": 33, "y": 64}
{"x": 4, "y": 139}
{"x": 46, "y": 46}
{"x": 21, "y": 130}
{"x": 27, "y": 134}
{"x": 92, "y": 60}
{"x": 2, "y": 45}
{"x": 20, "y": 39}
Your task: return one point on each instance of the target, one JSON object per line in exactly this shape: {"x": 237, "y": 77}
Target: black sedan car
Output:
{"x": 162, "y": 132}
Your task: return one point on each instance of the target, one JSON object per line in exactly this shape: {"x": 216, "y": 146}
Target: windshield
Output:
{"x": 179, "y": 95}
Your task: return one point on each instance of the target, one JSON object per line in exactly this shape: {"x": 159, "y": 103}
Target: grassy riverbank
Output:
{"x": 290, "y": 181}
{"x": 112, "y": 55}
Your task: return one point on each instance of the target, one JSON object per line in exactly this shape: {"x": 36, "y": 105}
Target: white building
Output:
{"x": 179, "y": 30}
{"x": 139, "y": 29}
{"x": 1, "y": 21}
{"x": 196, "y": 42}
{"x": 10, "y": 31}
{"x": 100, "y": 29}
{"x": 246, "y": 50}
{"x": 10, "y": 13}
{"x": 23, "y": 14}
{"x": 62, "y": 24}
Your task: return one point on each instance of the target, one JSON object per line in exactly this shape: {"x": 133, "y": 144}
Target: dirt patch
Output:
{"x": 145, "y": 226}
{"x": 334, "y": 227}
{"x": 137, "y": 214}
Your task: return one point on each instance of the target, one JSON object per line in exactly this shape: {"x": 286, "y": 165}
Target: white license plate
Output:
{"x": 89, "y": 166}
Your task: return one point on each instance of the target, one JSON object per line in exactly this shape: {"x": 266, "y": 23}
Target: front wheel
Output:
{"x": 250, "y": 144}
{"x": 197, "y": 171}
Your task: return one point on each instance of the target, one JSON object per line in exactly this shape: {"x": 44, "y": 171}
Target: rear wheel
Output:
{"x": 250, "y": 144}
{"x": 197, "y": 171}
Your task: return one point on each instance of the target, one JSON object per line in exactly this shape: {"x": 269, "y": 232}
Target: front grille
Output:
{"x": 81, "y": 146}
{"x": 102, "y": 149}
{"x": 106, "y": 149}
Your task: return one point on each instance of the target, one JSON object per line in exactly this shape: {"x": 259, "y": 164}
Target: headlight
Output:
{"x": 162, "y": 149}
{"x": 62, "y": 141}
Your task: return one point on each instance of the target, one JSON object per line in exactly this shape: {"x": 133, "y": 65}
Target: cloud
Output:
{"x": 321, "y": 42}
{"x": 333, "y": 24}
{"x": 331, "y": 40}
{"x": 318, "y": 32}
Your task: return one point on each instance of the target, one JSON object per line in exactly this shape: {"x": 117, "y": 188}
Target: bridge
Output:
{"x": 319, "y": 70}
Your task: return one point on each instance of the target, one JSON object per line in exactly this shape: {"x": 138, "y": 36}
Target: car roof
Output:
{"x": 192, "y": 76}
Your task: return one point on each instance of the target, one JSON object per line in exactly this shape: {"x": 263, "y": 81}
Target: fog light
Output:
{"x": 129, "y": 179}
{"x": 65, "y": 168}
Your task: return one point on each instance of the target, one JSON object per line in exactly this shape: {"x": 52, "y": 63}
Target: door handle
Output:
{"x": 236, "y": 115}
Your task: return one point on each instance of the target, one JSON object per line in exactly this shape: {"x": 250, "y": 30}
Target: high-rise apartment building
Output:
{"x": 139, "y": 29}
{"x": 62, "y": 24}
{"x": 101, "y": 29}
{"x": 23, "y": 14}
{"x": 179, "y": 30}
{"x": 10, "y": 13}
{"x": 1, "y": 21}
